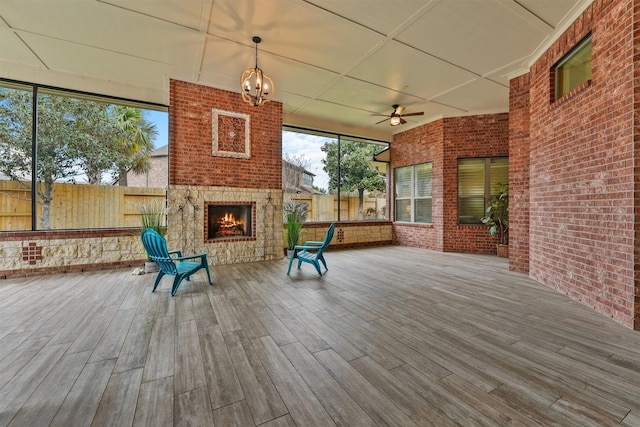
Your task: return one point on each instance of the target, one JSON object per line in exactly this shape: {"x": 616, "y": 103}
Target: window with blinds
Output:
{"x": 478, "y": 182}
{"x": 413, "y": 193}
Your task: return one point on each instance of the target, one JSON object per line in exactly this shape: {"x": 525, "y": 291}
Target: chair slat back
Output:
{"x": 327, "y": 239}
{"x": 156, "y": 247}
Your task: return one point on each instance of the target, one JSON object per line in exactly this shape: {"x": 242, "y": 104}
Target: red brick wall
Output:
{"x": 519, "y": 174}
{"x": 470, "y": 136}
{"x": 190, "y": 147}
{"x": 419, "y": 145}
{"x": 443, "y": 142}
{"x": 582, "y": 182}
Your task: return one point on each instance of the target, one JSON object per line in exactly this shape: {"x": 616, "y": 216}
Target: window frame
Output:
{"x": 412, "y": 198}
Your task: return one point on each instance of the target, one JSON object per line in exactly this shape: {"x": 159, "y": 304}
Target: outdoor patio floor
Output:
{"x": 393, "y": 336}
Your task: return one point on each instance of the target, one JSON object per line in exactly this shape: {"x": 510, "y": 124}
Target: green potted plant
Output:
{"x": 153, "y": 216}
{"x": 295, "y": 214}
{"x": 497, "y": 219}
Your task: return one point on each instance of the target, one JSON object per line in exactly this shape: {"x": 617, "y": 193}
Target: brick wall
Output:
{"x": 519, "y": 173}
{"x": 419, "y": 145}
{"x": 582, "y": 184}
{"x": 190, "y": 136}
{"x": 198, "y": 176}
{"x": 443, "y": 142}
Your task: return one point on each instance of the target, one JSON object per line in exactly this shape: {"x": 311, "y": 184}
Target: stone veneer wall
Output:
{"x": 186, "y": 229}
{"x": 63, "y": 251}
{"x": 350, "y": 234}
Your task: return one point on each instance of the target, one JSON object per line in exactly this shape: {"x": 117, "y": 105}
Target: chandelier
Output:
{"x": 256, "y": 87}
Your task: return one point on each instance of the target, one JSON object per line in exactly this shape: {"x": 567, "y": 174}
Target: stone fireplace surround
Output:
{"x": 187, "y": 224}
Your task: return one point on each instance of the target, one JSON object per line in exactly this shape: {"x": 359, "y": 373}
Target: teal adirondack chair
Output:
{"x": 312, "y": 252}
{"x": 171, "y": 263}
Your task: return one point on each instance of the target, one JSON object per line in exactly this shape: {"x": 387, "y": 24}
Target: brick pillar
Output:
{"x": 519, "y": 173}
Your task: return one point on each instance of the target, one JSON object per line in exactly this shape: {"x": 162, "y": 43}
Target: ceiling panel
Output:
{"x": 550, "y": 11}
{"x": 294, "y": 30}
{"x": 61, "y": 56}
{"x": 89, "y": 23}
{"x": 187, "y": 13}
{"x": 479, "y": 36}
{"x": 481, "y": 96}
{"x": 384, "y": 18}
{"x": 366, "y": 97}
{"x": 402, "y": 68}
{"x": 227, "y": 59}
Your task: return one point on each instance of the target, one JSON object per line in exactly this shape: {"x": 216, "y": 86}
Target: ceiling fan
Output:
{"x": 396, "y": 116}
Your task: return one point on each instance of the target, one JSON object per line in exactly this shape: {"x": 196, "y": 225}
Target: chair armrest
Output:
{"x": 313, "y": 243}
{"x": 183, "y": 258}
{"x": 179, "y": 253}
{"x": 305, "y": 247}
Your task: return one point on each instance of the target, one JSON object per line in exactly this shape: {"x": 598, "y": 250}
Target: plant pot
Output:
{"x": 289, "y": 253}
{"x": 150, "y": 267}
{"x": 503, "y": 251}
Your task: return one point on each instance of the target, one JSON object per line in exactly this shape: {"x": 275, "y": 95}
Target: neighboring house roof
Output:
{"x": 292, "y": 179}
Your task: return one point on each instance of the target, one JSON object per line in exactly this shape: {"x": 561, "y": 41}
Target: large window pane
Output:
{"x": 332, "y": 175}
{"x": 87, "y": 146}
{"x": 15, "y": 157}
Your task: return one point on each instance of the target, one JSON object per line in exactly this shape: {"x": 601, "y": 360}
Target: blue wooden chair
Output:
{"x": 311, "y": 252}
{"x": 171, "y": 263}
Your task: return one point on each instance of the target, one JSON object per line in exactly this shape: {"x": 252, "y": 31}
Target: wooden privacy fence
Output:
{"x": 324, "y": 207}
{"x": 77, "y": 205}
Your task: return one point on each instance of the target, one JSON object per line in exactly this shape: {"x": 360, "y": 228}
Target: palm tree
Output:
{"x": 136, "y": 145}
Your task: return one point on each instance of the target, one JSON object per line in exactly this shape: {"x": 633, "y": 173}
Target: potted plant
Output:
{"x": 152, "y": 216}
{"x": 295, "y": 214}
{"x": 497, "y": 219}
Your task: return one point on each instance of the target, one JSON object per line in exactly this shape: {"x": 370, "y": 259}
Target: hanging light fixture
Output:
{"x": 256, "y": 87}
{"x": 395, "y": 120}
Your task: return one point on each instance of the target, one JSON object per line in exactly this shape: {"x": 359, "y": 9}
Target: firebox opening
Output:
{"x": 229, "y": 221}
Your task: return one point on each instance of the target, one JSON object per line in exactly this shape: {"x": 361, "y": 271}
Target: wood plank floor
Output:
{"x": 391, "y": 336}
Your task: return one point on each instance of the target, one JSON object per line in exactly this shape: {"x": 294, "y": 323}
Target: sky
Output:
{"x": 308, "y": 147}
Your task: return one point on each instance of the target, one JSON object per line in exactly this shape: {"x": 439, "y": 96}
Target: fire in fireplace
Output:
{"x": 229, "y": 221}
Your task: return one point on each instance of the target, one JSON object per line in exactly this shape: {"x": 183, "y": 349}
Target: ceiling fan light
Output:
{"x": 395, "y": 121}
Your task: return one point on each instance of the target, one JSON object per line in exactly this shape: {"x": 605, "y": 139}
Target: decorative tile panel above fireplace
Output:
{"x": 229, "y": 221}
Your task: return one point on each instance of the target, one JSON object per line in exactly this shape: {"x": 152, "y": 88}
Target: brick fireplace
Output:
{"x": 225, "y": 175}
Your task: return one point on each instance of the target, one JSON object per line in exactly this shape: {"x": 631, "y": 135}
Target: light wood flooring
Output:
{"x": 391, "y": 336}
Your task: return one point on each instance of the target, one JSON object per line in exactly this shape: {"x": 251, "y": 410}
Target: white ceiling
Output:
{"x": 334, "y": 62}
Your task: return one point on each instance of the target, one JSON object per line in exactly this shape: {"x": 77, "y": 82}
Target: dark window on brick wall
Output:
{"x": 573, "y": 69}
{"x": 479, "y": 180}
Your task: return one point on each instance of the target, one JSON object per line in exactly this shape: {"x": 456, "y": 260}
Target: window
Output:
{"x": 574, "y": 68}
{"x": 413, "y": 193}
{"x": 478, "y": 182}
{"x": 338, "y": 182}
{"x": 86, "y": 146}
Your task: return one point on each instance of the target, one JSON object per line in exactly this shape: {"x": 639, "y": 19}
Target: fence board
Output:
{"x": 77, "y": 206}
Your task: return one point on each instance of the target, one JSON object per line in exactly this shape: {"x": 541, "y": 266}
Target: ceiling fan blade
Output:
{"x": 403, "y": 121}
{"x": 383, "y": 120}
{"x": 421, "y": 113}
{"x": 379, "y": 115}
{"x": 399, "y": 110}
